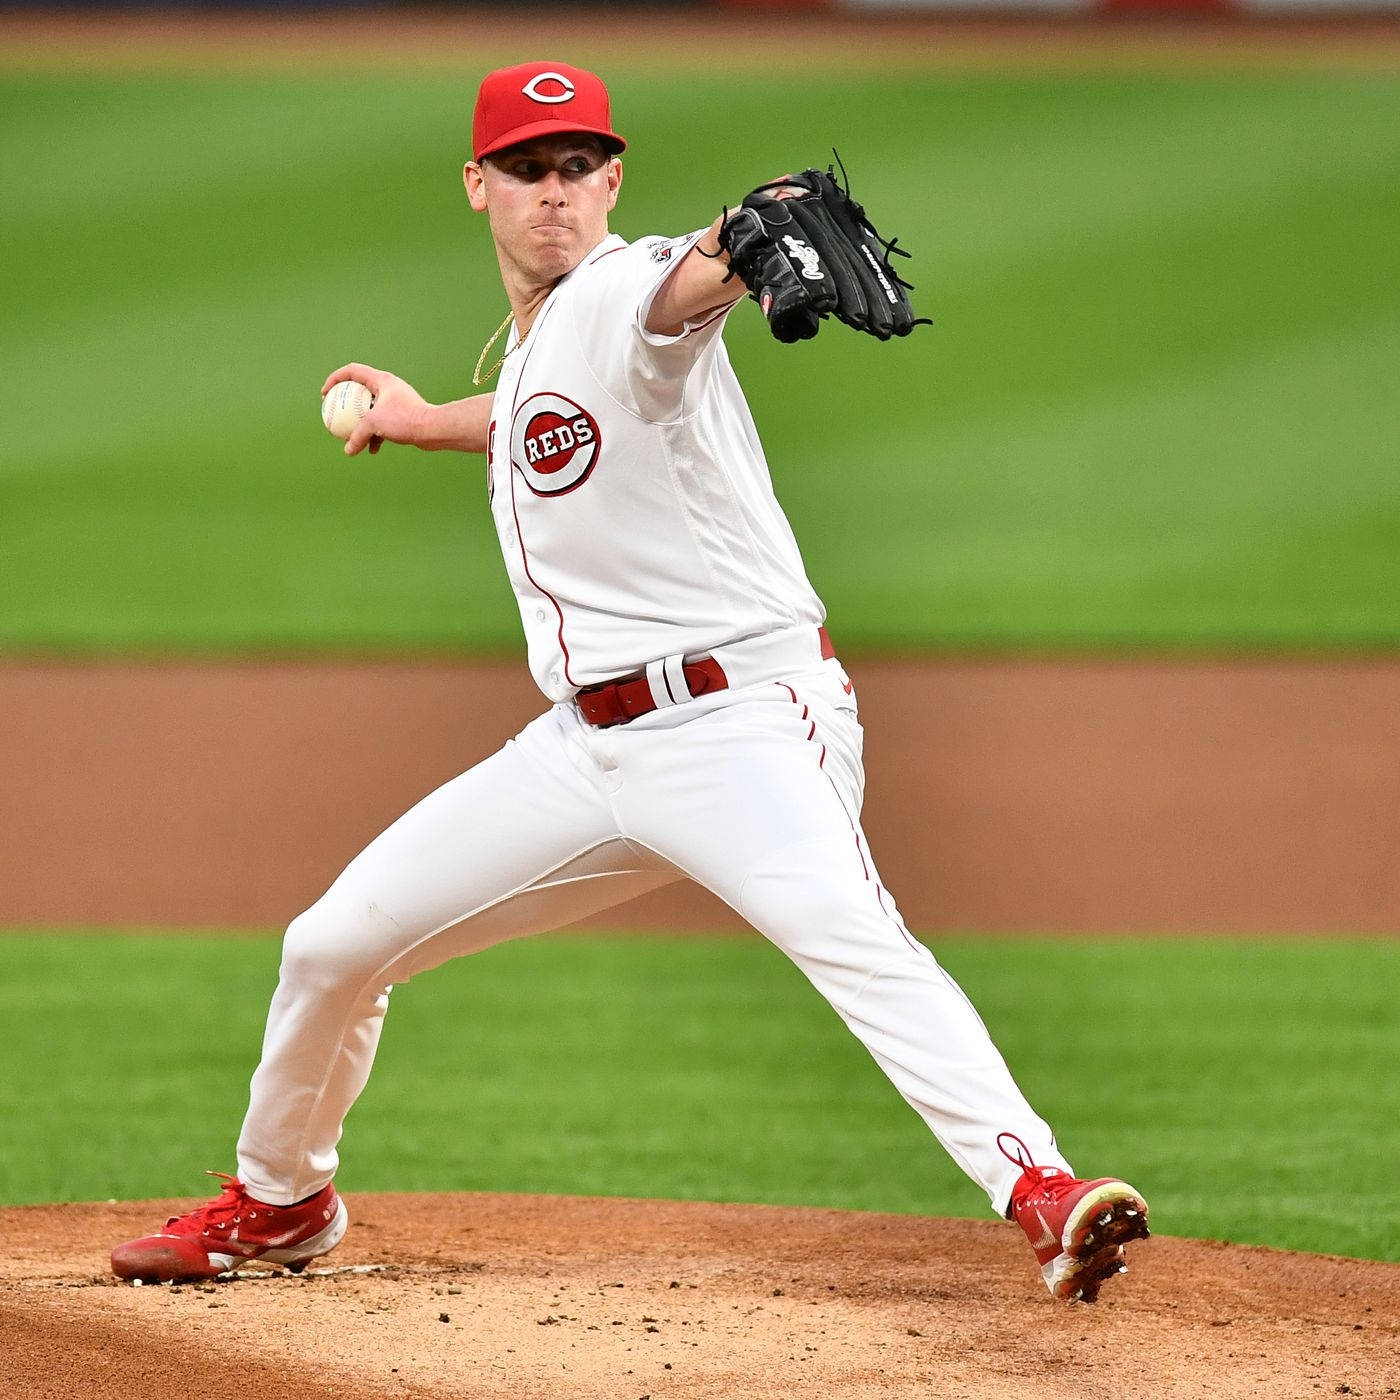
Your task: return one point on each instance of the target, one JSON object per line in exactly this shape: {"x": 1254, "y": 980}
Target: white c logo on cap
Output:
{"x": 531, "y": 89}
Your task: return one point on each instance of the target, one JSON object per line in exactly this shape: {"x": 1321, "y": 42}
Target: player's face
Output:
{"x": 548, "y": 201}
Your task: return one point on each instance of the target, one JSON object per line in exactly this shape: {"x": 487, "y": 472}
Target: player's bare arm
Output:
{"x": 401, "y": 414}
{"x": 701, "y": 285}
{"x": 696, "y": 289}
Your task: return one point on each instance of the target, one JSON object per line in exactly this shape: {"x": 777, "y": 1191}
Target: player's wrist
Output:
{"x": 458, "y": 426}
{"x": 426, "y": 427}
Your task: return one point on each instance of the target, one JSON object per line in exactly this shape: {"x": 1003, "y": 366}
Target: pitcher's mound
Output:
{"x": 553, "y": 1298}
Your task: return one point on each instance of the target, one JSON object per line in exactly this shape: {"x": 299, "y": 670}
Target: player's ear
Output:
{"x": 474, "y": 178}
{"x": 614, "y": 181}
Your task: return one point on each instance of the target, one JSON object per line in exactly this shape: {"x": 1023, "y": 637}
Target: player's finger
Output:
{"x": 366, "y": 374}
{"x": 359, "y": 437}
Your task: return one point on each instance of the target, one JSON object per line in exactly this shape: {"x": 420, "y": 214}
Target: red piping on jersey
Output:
{"x": 621, "y": 248}
{"x": 860, "y": 849}
{"x": 723, "y": 311}
{"x": 519, "y": 533}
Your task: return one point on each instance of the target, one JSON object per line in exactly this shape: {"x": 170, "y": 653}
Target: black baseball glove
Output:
{"x": 813, "y": 255}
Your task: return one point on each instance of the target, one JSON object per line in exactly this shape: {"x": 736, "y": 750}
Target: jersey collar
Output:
{"x": 609, "y": 243}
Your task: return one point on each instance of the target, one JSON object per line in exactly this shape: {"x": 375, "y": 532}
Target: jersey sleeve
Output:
{"x": 647, "y": 373}
{"x": 669, "y": 253}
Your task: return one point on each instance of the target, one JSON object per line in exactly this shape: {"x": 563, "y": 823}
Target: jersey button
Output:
{"x": 539, "y": 614}
{"x": 554, "y": 678}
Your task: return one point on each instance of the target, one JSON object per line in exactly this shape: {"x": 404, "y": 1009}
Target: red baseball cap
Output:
{"x": 540, "y": 99}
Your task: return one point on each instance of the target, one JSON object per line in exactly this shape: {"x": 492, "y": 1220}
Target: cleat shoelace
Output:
{"x": 214, "y": 1217}
{"x": 1050, "y": 1181}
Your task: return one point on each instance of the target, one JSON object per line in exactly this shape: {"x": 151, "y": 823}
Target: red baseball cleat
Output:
{"x": 1077, "y": 1228}
{"x": 231, "y": 1230}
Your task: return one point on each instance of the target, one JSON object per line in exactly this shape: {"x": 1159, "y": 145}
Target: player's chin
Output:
{"x": 553, "y": 259}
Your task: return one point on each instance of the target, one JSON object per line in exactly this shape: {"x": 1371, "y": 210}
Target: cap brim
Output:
{"x": 612, "y": 142}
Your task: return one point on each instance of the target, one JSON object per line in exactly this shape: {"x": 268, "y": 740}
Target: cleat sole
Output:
{"x": 1093, "y": 1243}
{"x": 1082, "y": 1283}
{"x": 1115, "y": 1222}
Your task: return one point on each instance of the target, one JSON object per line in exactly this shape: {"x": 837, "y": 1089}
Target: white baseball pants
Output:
{"x": 753, "y": 792}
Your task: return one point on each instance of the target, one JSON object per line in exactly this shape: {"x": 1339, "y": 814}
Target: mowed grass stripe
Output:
{"x": 1152, "y": 411}
{"x": 1232, "y": 1081}
{"x": 1158, "y": 539}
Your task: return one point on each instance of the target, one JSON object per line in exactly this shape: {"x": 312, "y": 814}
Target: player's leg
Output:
{"x": 921, "y": 1029}
{"x": 520, "y": 844}
{"x": 759, "y": 800}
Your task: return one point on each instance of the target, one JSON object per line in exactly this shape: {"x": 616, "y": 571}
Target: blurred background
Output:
{"x": 1112, "y": 552}
{"x": 1150, "y": 440}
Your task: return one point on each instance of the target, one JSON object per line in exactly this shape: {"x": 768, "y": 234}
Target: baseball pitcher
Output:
{"x": 700, "y": 723}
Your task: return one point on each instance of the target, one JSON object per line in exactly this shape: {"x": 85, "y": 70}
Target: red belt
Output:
{"x": 616, "y": 702}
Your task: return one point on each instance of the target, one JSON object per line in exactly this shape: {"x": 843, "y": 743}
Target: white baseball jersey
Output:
{"x": 630, "y": 492}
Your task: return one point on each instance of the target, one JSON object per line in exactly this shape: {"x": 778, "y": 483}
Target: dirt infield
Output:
{"x": 1001, "y": 795}
{"x": 557, "y": 1298}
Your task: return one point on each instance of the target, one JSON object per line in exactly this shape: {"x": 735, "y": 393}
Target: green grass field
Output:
{"x": 1157, "y": 409}
{"x": 1245, "y": 1086}
{"x": 1156, "y": 412}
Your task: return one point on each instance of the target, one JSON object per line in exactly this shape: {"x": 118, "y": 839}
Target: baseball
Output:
{"x": 344, "y": 406}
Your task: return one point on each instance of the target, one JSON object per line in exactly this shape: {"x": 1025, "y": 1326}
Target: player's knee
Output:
{"x": 308, "y": 955}
{"x": 338, "y": 941}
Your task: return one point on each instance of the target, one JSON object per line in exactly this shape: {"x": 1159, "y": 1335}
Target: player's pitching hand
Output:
{"x": 397, "y": 414}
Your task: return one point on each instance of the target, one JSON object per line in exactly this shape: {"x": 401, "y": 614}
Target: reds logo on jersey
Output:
{"x": 554, "y": 444}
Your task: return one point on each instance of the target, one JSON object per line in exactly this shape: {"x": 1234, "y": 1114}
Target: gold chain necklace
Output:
{"x": 477, "y": 377}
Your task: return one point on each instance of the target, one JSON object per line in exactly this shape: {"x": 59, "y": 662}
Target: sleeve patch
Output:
{"x": 665, "y": 248}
